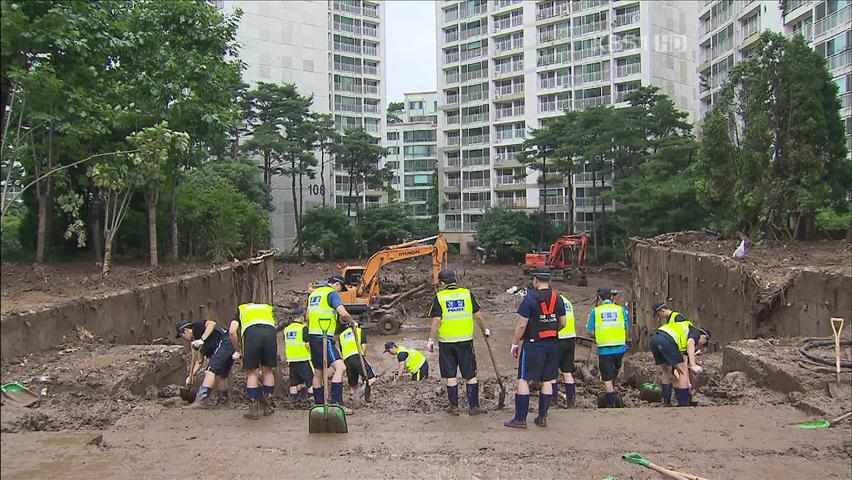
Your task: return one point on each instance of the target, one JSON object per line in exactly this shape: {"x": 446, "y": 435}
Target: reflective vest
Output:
{"x": 610, "y": 325}
{"x": 413, "y": 361}
{"x": 674, "y": 315}
{"x": 543, "y": 321}
{"x": 294, "y": 343}
{"x": 456, "y": 315}
{"x": 568, "y": 331}
{"x": 678, "y": 331}
{"x": 255, "y": 314}
{"x": 348, "y": 344}
{"x": 320, "y": 309}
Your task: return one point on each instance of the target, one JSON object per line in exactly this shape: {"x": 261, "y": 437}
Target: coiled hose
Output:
{"x": 824, "y": 343}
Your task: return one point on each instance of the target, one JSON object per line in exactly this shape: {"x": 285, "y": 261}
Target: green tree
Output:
{"x": 327, "y": 139}
{"x": 244, "y": 177}
{"x": 384, "y": 225}
{"x": 774, "y": 151}
{"x": 328, "y": 230}
{"x": 506, "y": 233}
{"x": 359, "y": 153}
{"x": 537, "y": 150}
{"x": 394, "y": 109}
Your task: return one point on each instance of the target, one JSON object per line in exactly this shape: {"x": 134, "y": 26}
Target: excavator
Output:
{"x": 567, "y": 257}
{"x": 362, "y": 295}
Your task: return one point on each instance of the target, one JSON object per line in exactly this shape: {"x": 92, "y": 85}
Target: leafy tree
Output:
{"x": 394, "y": 110}
{"x": 774, "y": 150}
{"x": 505, "y": 233}
{"x": 327, "y": 139}
{"x": 244, "y": 177}
{"x": 359, "y": 153}
{"x": 537, "y": 150}
{"x": 384, "y": 225}
{"x": 328, "y": 230}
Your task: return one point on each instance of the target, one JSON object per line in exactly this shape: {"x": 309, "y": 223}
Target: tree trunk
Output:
{"x": 151, "y": 203}
{"x": 173, "y": 222}
{"x": 322, "y": 175}
{"x": 544, "y": 199}
{"x": 95, "y": 227}
{"x": 295, "y": 206}
{"x": 108, "y": 236}
{"x": 603, "y": 210}
{"x": 41, "y": 234}
{"x": 349, "y": 199}
{"x": 267, "y": 164}
{"x": 571, "y": 202}
{"x": 595, "y": 212}
{"x": 299, "y": 216}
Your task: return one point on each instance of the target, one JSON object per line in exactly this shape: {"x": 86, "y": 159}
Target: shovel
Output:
{"x": 825, "y": 423}
{"x": 20, "y": 394}
{"x": 187, "y": 392}
{"x": 357, "y": 333}
{"x": 637, "y": 459}
{"x": 837, "y": 327}
{"x": 501, "y": 398}
{"x": 326, "y": 418}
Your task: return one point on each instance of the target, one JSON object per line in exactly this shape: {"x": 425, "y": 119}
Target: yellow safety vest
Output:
{"x": 255, "y": 314}
{"x": 610, "y": 325}
{"x": 320, "y": 309}
{"x": 568, "y": 331}
{"x": 294, "y": 343}
{"x": 674, "y": 315}
{"x": 414, "y": 360}
{"x": 456, "y": 315}
{"x": 348, "y": 344}
{"x": 678, "y": 331}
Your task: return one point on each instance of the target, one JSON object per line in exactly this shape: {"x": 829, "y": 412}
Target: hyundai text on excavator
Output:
{"x": 567, "y": 257}
{"x": 362, "y": 296}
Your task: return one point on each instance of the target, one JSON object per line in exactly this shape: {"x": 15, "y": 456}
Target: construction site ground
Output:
{"x": 113, "y": 411}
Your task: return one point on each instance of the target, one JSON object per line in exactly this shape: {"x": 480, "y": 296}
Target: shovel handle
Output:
{"x": 494, "y": 362}
{"x": 837, "y": 327}
{"x": 667, "y": 472}
{"x": 839, "y": 419}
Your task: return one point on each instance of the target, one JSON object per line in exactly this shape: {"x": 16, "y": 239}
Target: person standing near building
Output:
{"x": 542, "y": 315}
{"x": 453, "y": 312}
{"x": 254, "y": 323}
{"x": 608, "y": 325}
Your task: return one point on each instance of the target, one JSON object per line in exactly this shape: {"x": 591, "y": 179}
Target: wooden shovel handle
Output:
{"x": 667, "y": 472}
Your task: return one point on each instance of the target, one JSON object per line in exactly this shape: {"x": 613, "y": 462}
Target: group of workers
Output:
{"x": 544, "y": 341}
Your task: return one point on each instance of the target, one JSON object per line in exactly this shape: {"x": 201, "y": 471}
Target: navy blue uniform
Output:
{"x": 217, "y": 348}
{"x": 539, "y": 360}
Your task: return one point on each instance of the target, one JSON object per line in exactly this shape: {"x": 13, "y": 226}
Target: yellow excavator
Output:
{"x": 362, "y": 296}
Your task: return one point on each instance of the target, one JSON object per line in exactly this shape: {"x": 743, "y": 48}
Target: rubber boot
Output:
{"x": 453, "y": 409}
{"x": 253, "y": 411}
{"x": 267, "y": 407}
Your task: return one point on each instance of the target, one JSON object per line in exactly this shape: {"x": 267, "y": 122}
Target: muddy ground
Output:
{"x": 128, "y": 395}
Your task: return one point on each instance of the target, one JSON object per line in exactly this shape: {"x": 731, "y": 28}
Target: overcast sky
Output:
{"x": 410, "y": 47}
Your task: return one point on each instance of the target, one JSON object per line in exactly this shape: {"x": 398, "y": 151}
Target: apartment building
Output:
{"x": 412, "y": 147}
{"x": 506, "y": 66}
{"x": 827, "y": 25}
{"x": 727, "y": 33}
{"x": 333, "y": 50}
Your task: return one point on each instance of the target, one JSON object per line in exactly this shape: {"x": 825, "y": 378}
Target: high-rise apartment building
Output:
{"x": 333, "y": 50}
{"x": 827, "y": 25}
{"x": 412, "y": 146}
{"x": 506, "y": 66}
{"x": 727, "y": 33}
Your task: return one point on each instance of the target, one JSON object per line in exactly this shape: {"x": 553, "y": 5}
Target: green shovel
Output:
{"x": 825, "y": 423}
{"x": 640, "y": 460}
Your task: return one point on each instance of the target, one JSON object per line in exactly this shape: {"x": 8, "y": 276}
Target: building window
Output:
{"x": 419, "y": 136}
{"x": 393, "y": 135}
{"x": 416, "y": 105}
{"x": 393, "y": 150}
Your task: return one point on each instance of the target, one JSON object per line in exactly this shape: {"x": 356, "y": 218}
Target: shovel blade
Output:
{"x": 817, "y": 424}
{"x": 327, "y": 419}
{"x": 188, "y": 394}
{"x": 20, "y": 394}
{"x": 501, "y": 399}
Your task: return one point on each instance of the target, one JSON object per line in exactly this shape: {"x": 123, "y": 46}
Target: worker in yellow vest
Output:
{"x": 410, "y": 360}
{"x": 298, "y": 354}
{"x": 453, "y": 312}
{"x": 567, "y": 338}
{"x": 349, "y": 346}
{"x": 325, "y": 312}
{"x": 673, "y": 346}
{"x": 667, "y": 315}
{"x": 254, "y": 324}
{"x": 608, "y": 325}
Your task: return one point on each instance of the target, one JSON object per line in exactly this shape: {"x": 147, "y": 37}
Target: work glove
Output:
{"x": 515, "y": 351}
{"x": 487, "y": 332}
{"x": 430, "y": 345}
{"x": 235, "y": 356}
{"x": 196, "y": 344}
{"x": 186, "y": 382}
{"x": 696, "y": 368}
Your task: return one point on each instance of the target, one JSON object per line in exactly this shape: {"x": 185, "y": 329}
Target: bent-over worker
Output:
{"x": 667, "y": 315}
{"x": 608, "y": 324}
{"x": 410, "y": 360}
{"x": 673, "y": 345}
{"x": 212, "y": 341}
{"x": 453, "y": 312}
{"x": 542, "y": 315}
{"x": 349, "y": 346}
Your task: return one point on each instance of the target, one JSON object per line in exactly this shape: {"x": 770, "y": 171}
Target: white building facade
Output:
{"x": 333, "y": 50}
{"x": 505, "y": 66}
{"x": 412, "y": 147}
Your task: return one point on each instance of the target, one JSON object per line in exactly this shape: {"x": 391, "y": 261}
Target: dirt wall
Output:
{"x": 141, "y": 314}
{"x": 730, "y": 299}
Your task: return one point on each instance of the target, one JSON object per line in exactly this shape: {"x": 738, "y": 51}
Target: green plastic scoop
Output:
{"x": 20, "y": 394}
{"x": 816, "y": 424}
{"x": 636, "y": 458}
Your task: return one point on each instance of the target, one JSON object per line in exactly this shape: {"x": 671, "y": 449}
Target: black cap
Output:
{"x": 705, "y": 331}
{"x": 336, "y": 279}
{"x": 446, "y": 275}
{"x": 541, "y": 273}
{"x": 180, "y": 326}
{"x": 388, "y": 346}
{"x": 606, "y": 291}
{"x": 657, "y": 307}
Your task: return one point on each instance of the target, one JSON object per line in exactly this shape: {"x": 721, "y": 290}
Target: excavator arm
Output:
{"x": 435, "y": 246}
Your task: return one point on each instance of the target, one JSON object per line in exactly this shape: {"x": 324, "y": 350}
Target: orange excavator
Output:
{"x": 567, "y": 257}
{"x": 362, "y": 295}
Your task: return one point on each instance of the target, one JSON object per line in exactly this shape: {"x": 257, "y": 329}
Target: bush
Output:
{"x": 385, "y": 225}
{"x": 506, "y": 233}
{"x": 10, "y": 243}
{"x": 327, "y": 231}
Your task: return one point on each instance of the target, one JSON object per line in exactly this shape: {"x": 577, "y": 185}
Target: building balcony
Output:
{"x": 555, "y": 106}
{"x": 503, "y": 158}
{"x": 563, "y": 81}
{"x": 453, "y": 183}
{"x": 806, "y": 30}
{"x": 623, "y": 19}
{"x": 508, "y": 90}
{"x": 474, "y": 75}
{"x": 348, "y": 67}
{"x": 584, "y": 103}
{"x": 370, "y": 70}
{"x": 451, "y": 57}
{"x": 451, "y": 162}
{"x": 452, "y": 206}
{"x": 475, "y": 53}
{"x": 589, "y": 177}
{"x": 480, "y": 9}
{"x": 452, "y": 226}
{"x": 469, "y": 226}
{"x": 475, "y": 139}
{"x": 347, "y": 27}
{"x": 554, "y": 59}
{"x": 475, "y": 118}
{"x": 628, "y": 69}
{"x": 583, "y": 227}
{"x": 555, "y": 200}
{"x": 371, "y": 51}
{"x": 512, "y": 202}
{"x": 371, "y": 11}
{"x": 343, "y": 7}
{"x": 348, "y": 48}
{"x": 840, "y": 60}
{"x": 473, "y": 32}
{"x": 479, "y": 96}
{"x": 590, "y": 203}
{"x": 477, "y": 183}
{"x": 451, "y": 16}
{"x": 507, "y": 68}
{"x": 508, "y": 46}
{"x": 625, "y": 43}
{"x": 553, "y": 11}
{"x": 846, "y": 100}
{"x": 507, "y": 136}
{"x": 509, "y": 180}
{"x": 588, "y": 53}
{"x": 371, "y": 32}
{"x": 552, "y": 35}
{"x": 451, "y": 36}
{"x": 589, "y": 28}
{"x": 451, "y": 99}
{"x": 339, "y": 87}
{"x": 475, "y": 161}
{"x": 589, "y": 4}
{"x": 342, "y": 107}
{"x": 476, "y": 204}
{"x": 453, "y": 120}
{"x": 455, "y": 140}
{"x": 508, "y": 23}
{"x": 454, "y": 78}
{"x": 842, "y": 17}
{"x": 516, "y": 111}
{"x": 591, "y": 77}
{"x": 371, "y": 108}
{"x": 371, "y": 89}
{"x": 622, "y": 96}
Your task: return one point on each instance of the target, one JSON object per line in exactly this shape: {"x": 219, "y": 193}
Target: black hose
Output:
{"x": 824, "y": 343}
